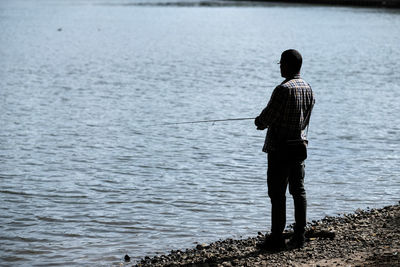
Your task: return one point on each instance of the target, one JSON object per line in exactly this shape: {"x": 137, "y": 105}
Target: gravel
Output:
{"x": 364, "y": 238}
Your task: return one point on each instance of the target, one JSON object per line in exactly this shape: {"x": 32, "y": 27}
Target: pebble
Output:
{"x": 127, "y": 258}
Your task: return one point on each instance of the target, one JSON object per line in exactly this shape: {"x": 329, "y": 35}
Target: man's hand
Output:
{"x": 258, "y": 124}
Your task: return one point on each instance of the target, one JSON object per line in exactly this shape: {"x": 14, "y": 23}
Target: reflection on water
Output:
{"x": 88, "y": 172}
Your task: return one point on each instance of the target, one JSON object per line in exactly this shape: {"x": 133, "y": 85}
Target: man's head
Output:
{"x": 290, "y": 62}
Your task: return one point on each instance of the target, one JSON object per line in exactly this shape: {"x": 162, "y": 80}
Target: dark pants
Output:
{"x": 282, "y": 172}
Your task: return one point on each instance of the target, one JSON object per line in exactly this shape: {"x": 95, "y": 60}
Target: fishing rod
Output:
{"x": 204, "y": 121}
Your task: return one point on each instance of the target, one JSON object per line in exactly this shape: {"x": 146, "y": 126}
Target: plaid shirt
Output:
{"x": 286, "y": 115}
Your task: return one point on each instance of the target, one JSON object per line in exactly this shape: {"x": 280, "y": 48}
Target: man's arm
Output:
{"x": 307, "y": 119}
{"x": 272, "y": 111}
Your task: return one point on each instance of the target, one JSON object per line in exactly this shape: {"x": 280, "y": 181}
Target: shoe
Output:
{"x": 272, "y": 243}
{"x": 297, "y": 241}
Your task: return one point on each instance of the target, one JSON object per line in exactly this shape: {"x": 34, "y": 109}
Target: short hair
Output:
{"x": 292, "y": 58}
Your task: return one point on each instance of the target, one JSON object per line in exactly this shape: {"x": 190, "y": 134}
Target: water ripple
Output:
{"x": 88, "y": 171}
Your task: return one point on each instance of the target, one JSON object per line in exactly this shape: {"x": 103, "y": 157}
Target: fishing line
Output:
{"x": 205, "y": 121}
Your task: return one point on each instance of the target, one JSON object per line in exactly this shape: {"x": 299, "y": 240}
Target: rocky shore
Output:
{"x": 364, "y": 238}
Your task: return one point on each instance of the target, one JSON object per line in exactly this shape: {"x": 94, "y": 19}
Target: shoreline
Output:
{"x": 360, "y": 3}
{"x": 390, "y": 4}
{"x": 364, "y": 238}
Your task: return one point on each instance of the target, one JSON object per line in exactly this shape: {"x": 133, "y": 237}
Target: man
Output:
{"x": 286, "y": 117}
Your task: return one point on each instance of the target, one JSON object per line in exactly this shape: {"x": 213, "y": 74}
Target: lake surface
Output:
{"x": 88, "y": 171}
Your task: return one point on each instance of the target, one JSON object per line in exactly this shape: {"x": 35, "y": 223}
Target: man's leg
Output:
{"x": 296, "y": 189}
{"x": 277, "y": 183}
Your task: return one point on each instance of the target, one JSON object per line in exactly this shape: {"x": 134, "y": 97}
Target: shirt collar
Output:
{"x": 296, "y": 76}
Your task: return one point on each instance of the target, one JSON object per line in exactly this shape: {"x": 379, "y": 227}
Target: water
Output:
{"x": 87, "y": 171}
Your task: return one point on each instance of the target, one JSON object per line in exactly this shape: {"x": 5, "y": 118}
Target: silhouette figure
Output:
{"x": 286, "y": 116}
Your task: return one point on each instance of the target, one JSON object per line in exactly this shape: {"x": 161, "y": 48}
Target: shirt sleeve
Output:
{"x": 275, "y": 106}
